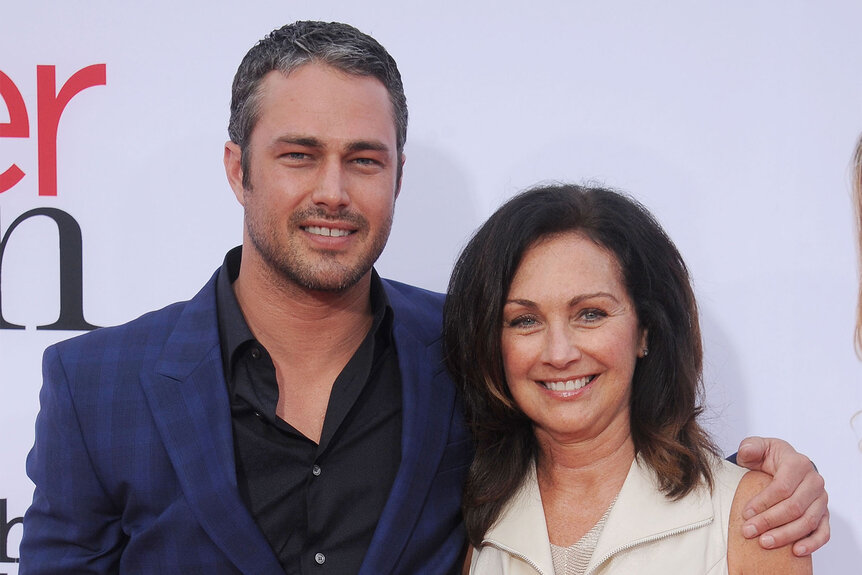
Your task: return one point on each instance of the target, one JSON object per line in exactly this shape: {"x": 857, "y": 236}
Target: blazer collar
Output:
{"x": 187, "y": 394}
{"x": 428, "y": 398}
{"x": 188, "y": 397}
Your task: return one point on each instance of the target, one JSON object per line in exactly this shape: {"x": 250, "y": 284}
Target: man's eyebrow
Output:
{"x": 367, "y": 145}
{"x": 306, "y": 141}
{"x": 352, "y": 147}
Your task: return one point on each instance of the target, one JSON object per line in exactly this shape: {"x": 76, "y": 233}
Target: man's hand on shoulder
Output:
{"x": 793, "y": 506}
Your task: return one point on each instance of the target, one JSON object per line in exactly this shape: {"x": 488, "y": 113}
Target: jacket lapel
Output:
{"x": 428, "y": 399}
{"x": 187, "y": 394}
{"x": 642, "y": 512}
{"x": 522, "y": 529}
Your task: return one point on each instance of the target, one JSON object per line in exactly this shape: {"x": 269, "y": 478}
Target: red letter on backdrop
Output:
{"x": 17, "y": 127}
{"x": 51, "y": 108}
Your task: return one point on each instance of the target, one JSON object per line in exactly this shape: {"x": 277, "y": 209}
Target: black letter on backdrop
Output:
{"x": 5, "y": 527}
{"x": 71, "y": 271}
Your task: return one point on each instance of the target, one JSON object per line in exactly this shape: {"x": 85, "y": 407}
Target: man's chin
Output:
{"x": 316, "y": 270}
{"x": 325, "y": 281}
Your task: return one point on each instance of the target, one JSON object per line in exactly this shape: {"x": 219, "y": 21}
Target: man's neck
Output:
{"x": 309, "y": 335}
{"x": 292, "y": 321}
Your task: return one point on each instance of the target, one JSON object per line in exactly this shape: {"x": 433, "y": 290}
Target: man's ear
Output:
{"x": 400, "y": 175}
{"x": 233, "y": 169}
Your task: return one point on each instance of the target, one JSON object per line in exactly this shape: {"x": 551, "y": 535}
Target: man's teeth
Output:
{"x": 333, "y": 232}
{"x": 570, "y": 385}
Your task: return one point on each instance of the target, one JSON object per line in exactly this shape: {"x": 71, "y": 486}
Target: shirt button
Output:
{"x": 315, "y": 470}
{"x": 255, "y": 353}
{"x": 320, "y": 558}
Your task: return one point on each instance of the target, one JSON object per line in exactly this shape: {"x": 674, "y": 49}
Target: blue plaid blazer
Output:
{"x": 134, "y": 463}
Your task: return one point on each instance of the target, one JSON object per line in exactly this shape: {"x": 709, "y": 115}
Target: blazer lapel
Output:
{"x": 187, "y": 394}
{"x": 428, "y": 402}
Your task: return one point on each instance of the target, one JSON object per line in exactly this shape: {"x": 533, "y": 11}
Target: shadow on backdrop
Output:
{"x": 434, "y": 215}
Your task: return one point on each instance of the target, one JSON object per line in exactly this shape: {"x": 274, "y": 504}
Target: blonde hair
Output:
{"x": 857, "y": 202}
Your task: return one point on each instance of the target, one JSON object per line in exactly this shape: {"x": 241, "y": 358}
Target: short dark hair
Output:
{"x": 667, "y": 389}
{"x": 332, "y": 43}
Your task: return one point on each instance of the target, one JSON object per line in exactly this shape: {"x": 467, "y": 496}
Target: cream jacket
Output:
{"x": 645, "y": 532}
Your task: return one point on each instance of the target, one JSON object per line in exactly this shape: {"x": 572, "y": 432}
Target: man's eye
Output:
{"x": 365, "y": 162}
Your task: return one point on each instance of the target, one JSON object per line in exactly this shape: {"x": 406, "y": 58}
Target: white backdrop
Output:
{"x": 734, "y": 122}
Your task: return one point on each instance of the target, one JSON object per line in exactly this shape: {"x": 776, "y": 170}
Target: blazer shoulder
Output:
{"x": 145, "y": 326}
{"x": 418, "y": 309}
{"x": 418, "y": 299}
{"x": 417, "y": 296}
{"x": 148, "y": 332}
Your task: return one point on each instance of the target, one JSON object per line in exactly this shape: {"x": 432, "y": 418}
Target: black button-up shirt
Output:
{"x": 317, "y": 504}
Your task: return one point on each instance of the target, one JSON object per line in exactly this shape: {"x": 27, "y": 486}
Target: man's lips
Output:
{"x": 568, "y": 384}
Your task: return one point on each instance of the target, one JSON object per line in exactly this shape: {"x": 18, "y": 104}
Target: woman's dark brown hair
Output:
{"x": 666, "y": 387}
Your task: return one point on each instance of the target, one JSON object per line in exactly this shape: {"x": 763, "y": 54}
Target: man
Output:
{"x": 294, "y": 416}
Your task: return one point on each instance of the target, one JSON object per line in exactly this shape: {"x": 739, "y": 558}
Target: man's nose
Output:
{"x": 330, "y": 188}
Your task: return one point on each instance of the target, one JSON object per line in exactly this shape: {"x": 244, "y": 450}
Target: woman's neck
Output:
{"x": 579, "y": 481}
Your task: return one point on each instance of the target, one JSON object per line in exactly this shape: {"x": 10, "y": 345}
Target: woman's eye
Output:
{"x": 592, "y": 315}
{"x": 522, "y": 321}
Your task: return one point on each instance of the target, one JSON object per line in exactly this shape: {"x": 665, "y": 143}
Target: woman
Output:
{"x": 572, "y": 329}
{"x": 857, "y": 202}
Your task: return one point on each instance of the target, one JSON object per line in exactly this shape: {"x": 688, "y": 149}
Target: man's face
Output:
{"x": 323, "y": 177}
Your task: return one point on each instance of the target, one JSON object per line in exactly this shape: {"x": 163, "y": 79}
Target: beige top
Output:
{"x": 574, "y": 559}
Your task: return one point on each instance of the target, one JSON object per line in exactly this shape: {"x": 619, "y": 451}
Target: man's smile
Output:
{"x": 329, "y": 232}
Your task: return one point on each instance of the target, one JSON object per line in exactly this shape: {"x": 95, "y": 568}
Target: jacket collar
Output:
{"x": 428, "y": 398}
{"x": 521, "y": 529}
{"x": 641, "y": 513}
{"x": 188, "y": 399}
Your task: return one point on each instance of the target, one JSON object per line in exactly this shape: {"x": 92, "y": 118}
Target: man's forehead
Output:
{"x": 319, "y": 75}
{"x": 321, "y": 95}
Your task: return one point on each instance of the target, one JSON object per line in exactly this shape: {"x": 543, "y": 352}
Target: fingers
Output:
{"x": 816, "y": 540}
{"x": 809, "y": 540}
{"x": 801, "y": 517}
{"x": 752, "y": 451}
{"x": 792, "y": 509}
{"x": 794, "y": 479}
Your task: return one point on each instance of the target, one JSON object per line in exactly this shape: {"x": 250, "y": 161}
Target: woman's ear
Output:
{"x": 643, "y": 348}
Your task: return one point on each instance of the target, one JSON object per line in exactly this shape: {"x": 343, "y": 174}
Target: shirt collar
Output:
{"x": 234, "y": 332}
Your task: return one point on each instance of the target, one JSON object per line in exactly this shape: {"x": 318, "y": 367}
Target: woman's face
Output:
{"x": 570, "y": 339}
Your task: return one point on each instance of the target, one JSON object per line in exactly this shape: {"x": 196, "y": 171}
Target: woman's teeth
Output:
{"x": 569, "y": 385}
